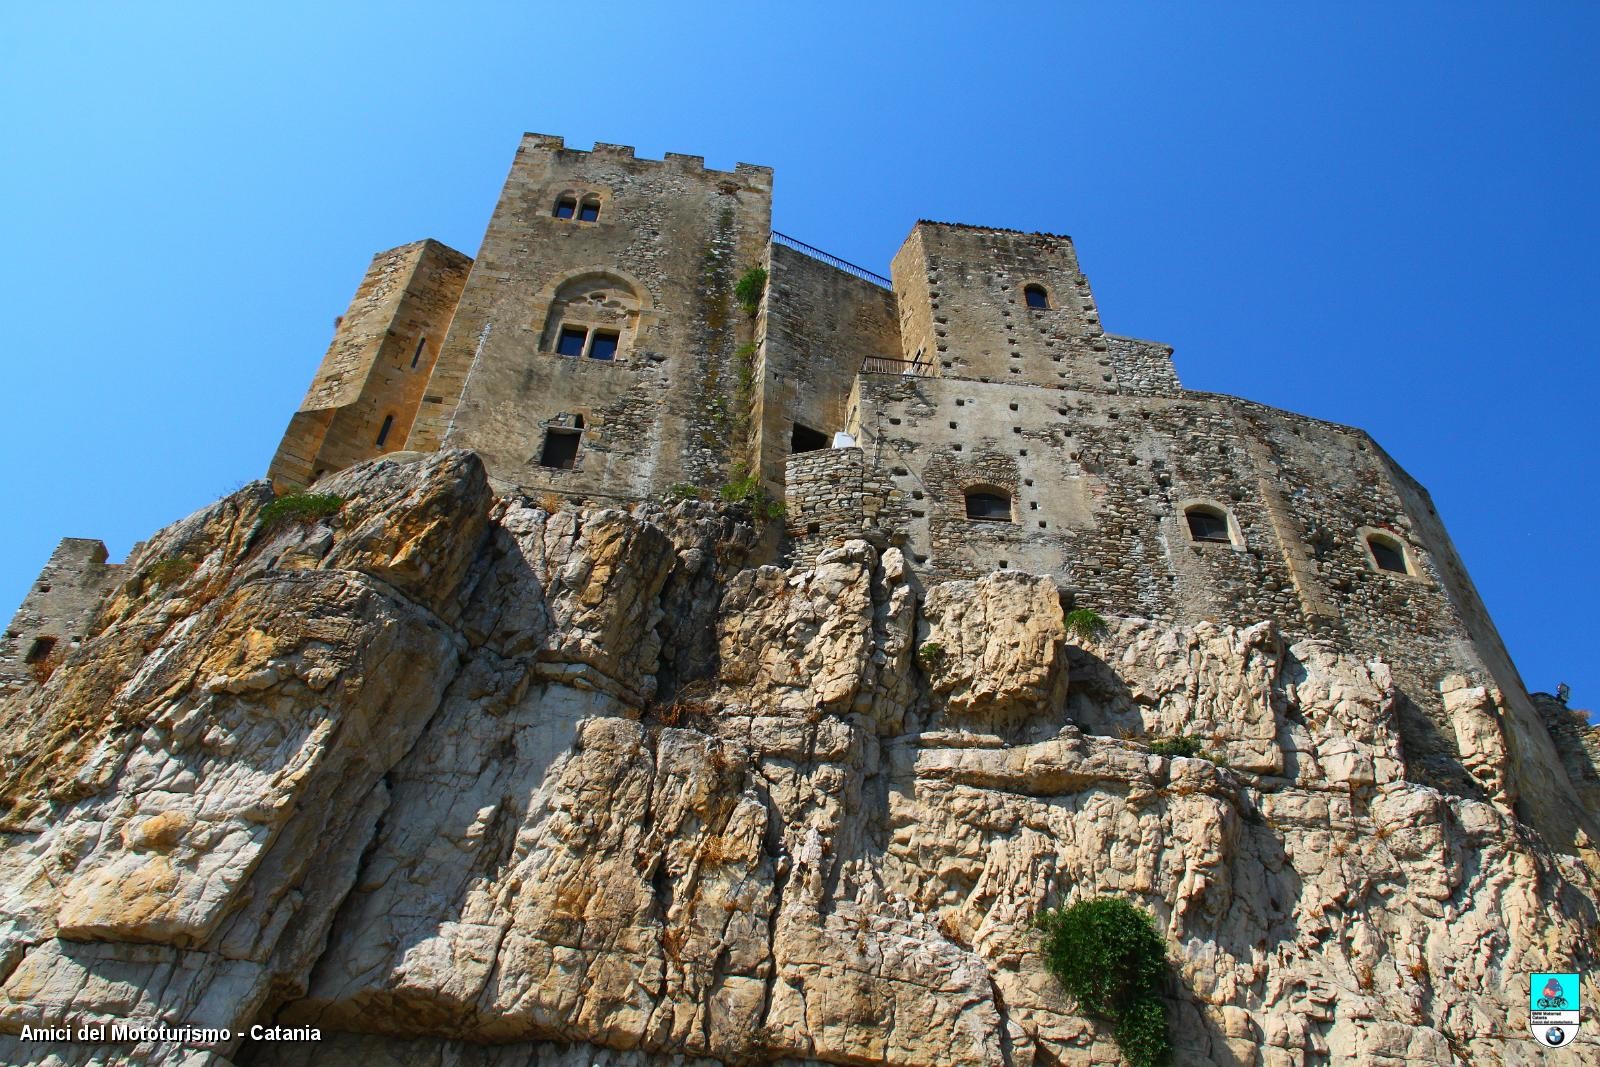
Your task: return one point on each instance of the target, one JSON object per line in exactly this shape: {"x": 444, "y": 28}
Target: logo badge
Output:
{"x": 1553, "y": 1008}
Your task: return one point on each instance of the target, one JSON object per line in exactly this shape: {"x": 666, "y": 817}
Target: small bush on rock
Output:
{"x": 930, "y": 653}
{"x": 168, "y": 571}
{"x": 1182, "y": 745}
{"x": 1107, "y": 955}
{"x": 1085, "y": 624}
{"x": 686, "y": 491}
{"x": 300, "y": 507}
{"x": 745, "y": 488}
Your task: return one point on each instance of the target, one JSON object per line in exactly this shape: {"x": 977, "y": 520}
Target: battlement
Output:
{"x": 749, "y": 173}
{"x": 992, "y": 229}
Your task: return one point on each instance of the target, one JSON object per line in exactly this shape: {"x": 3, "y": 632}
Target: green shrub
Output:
{"x": 744, "y": 487}
{"x": 1085, "y": 624}
{"x": 745, "y": 366}
{"x": 749, "y": 288}
{"x": 168, "y": 571}
{"x": 1141, "y": 1032}
{"x": 1108, "y": 956}
{"x": 300, "y": 507}
{"x": 930, "y": 653}
{"x": 1182, "y": 745}
{"x": 686, "y": 491}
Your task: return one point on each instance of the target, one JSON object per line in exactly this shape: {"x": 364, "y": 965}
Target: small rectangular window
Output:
{"x": 383, "y": 433}
{"x": 604, "y": 345}
{"x": 560, "y": 450}
{"x": 571, "y": 341}
{"x": 1207, "y": 526}
{"x": 589, "y": 212}
{"x": 1388, "y": 557}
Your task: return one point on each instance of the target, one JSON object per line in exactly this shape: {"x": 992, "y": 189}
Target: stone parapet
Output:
{"x": 833, "y": 496}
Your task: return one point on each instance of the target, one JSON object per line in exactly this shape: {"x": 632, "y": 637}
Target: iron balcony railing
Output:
{"x": 832, "y": 260}
{"x": 908, "y": 368}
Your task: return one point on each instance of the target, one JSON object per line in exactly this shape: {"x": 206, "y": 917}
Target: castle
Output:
{"x": 970, "y": 408}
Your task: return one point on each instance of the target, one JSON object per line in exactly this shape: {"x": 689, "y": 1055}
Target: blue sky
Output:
{"x": 1379, "y": 214}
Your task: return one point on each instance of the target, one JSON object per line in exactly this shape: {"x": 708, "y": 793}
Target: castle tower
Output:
{"x": 1002, "y": 306}
{"x": 57, "y": 612}
{"x": 595, "y": 348}
{"x": 365, "y": 395}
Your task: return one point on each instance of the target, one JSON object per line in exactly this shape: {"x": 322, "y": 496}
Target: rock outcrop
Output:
{"x": 454, "y": 779}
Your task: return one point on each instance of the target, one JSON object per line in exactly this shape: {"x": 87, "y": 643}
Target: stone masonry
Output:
{"x": 56, "y": 613}
{"x": 593, "y": 351}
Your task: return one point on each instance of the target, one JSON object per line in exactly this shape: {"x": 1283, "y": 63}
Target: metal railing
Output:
{"x": 832, "y": 260}
{"x": 908, "y": 368}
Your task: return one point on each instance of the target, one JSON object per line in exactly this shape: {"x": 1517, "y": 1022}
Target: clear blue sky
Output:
{"x": 1380, "y": 214}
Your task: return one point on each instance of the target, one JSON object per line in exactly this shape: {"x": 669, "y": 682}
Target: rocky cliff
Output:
{"x": 460, "y": 780}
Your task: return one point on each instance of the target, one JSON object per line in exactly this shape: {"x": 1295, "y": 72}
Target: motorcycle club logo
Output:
{"x": 1553, "y": 1008}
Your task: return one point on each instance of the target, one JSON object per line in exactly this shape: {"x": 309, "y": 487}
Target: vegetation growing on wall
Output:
{"x": 749, "y": 289}
{"x": 745, "y": 362}
{"x": 1108, "y": 956}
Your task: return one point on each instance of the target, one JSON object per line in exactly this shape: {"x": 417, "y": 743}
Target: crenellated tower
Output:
{"x": 594, "y": 349}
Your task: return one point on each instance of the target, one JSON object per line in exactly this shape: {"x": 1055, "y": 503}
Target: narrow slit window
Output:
{"x": 383, "y": 431}
{"x": 566, "y": 207}
{"x": 989, "y": 507}
{"x": 589, "y": 210}
{"x": 1387, "y": 555}
{"x": 560, "y": 450}
{"x": 604, "y": 345}
{"x": 571, "y": 341}
{"x": 1036, "y": 297}
{"x": 1207, "y": 524}
{"x": 416, "y": 357}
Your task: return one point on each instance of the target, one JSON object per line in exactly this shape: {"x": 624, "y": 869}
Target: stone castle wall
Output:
{"x": 820, "y": 323}
{"x": 655, "y": 269}
{"x": 835, "y": 495}
{"x": 56, "y": 613}
{"x": 367, "y": 391}
{"x": 950, "y": 383}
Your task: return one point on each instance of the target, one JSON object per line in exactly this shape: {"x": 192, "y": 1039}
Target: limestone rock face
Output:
{"x": 457, "y": 780}
{"x": 993, "y": 647}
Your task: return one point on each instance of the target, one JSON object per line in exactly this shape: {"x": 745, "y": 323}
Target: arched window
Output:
{"x": 1207, "y": 523}
{"x": 1388, "y": 553}
{"x": 593, "y": 316}
{"x": 1035, "y": 296}
{"x": 988, "y": 505}
{"x": 566, "y": 206}
{"x": 589, "y": 209}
